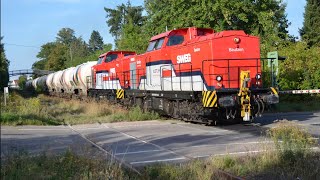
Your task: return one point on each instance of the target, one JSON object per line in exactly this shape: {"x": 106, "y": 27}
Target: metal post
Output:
{"x": 5, "y": 95}
{"x": 271, "y": 72}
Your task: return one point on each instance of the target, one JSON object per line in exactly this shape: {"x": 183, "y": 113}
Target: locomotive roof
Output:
{"x": 116, "y": 52}
{"x": 165, "y": 34}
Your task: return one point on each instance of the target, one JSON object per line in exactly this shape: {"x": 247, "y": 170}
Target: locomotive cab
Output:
{"x": 105, "y": 68}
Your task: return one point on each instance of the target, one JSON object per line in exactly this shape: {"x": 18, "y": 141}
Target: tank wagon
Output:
{"x": 79, "y": 78}
{"x": 194, "y": 74}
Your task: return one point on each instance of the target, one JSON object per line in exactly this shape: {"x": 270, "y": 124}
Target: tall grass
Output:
{"x": 134, "y": 114}
{"x": 43, "y": 110}
{"x": 65, "y": 166}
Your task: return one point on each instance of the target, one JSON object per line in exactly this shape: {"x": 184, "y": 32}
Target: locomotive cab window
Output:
{"x": 111, "y": 57}
{"x": 156, "y": 44}
{"x": 159, "y": 43}
{"x": 175, "y": 40}
{"x": 151, "y": 45}
{"x": 100, "y": 60}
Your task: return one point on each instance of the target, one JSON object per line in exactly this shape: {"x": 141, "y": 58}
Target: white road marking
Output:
{"x": 128, "y": 135}
{"x": 159, "y": 160}
{"x": 137, "y": 152}
{"x": 206, "y": 145}
{"x": 214, "y": 131}
{"x": 138, "y": 139}
{"x": 242, "y": 152}
{"x": 234, "y": 153}
{"x": 88, "y": 128}
{"x": 103, "y": 150}
{"x": 138, "y": 125}
{"x": 64, "y": 129}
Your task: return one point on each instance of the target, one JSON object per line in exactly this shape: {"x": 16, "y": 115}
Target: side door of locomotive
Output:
{"x": 155, "y": 58}
{"x": 181, "y": 56}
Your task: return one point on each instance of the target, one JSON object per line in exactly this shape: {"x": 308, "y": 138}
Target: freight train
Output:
{"x": 193, "y": 74}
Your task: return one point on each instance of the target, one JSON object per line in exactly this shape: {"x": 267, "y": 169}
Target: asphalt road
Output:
{"x": 148, "y": 142}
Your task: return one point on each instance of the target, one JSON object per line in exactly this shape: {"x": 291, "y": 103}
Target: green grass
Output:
{"x": 43, "y": 110}
{"x": 65, "y": 166}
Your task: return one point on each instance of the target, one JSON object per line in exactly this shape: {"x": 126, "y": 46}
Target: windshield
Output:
{"x": 175, "y": 40}
{"x": 159, "y": 43}
{"x": 151, "y": 46}
{"x": 156, "y": 44}
{"x": 111, "y": 57}
{"x": 100, "y": 60}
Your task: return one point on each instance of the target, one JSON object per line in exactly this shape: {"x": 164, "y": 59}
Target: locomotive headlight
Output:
{"x": 236, "y": 40}
{"x": 219, "y": 78}
{"x": 258, "y": 76}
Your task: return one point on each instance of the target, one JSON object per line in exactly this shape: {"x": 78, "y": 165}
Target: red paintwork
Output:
{"x": 217, "y": 48}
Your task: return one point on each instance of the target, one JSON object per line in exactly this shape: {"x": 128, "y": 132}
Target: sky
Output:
{"x": 28, "y": 24}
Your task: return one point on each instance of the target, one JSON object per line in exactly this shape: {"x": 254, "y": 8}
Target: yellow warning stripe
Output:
{"x": 274, "y": 90}
{"x": 209, "y": 99}
{"x": 120, "y": 93}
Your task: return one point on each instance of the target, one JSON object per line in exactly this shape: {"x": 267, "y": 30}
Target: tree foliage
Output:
{"x": 301, "y": 68}
{"x": 22, "y": 81}
{"x": 43, "y": 55}
{"x": 266, "y": 19}
{"x": 132, "y": 38}
{"x": 124, "y": 15}
{"x": 57, "y": 58}
{"x": 95, "y": 41}
{"x": 4, "y": 67}
{"x": 66, "y": 36}
{"x": 310, "y": 31}
{"x": 69, "y": 50}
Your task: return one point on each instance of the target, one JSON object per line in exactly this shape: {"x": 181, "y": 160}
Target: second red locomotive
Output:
{"x": 192, "y": 73}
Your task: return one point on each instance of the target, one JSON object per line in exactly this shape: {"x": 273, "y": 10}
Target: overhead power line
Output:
{"x": 21, "y": 45}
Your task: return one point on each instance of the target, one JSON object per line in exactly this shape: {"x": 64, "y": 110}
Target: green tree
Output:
{"x": 301, "y": 68}
{"x": 22, "y": 81}
{"x": 95, "y": 41}
{"x": 66, "y": 36}
{"x": 77, "y": 51}
{"x": 266, "y": 19}
{"x": 310, "y": 31}
{"x": 43, "y": 55}
{"x": 4, "y": 67}
{"x": 57, "y": 58}
{"x": 79, "y": 48}
{"x": 120, "y": 16}
{"x": 132, "y": 38}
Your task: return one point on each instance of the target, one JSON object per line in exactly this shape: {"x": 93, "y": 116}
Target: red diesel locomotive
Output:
{"x": 194, "y": 74}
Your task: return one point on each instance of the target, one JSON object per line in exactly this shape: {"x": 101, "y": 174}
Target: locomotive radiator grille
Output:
{"x": 209, "y": 99}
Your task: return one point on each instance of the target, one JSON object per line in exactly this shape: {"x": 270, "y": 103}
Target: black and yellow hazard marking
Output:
{"x": 274, "y": 91}
{"x": 120, "y": 93}
{"x": 209, "y": 99}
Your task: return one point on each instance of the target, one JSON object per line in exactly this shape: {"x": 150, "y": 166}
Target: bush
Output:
{"x": 291, "y": 142}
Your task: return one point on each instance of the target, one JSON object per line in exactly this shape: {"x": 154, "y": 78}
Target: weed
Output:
{"x": 291, "y": 141}
{"x": 65, "y": 166}
{"x": 134, "y": 114}
{"x": 43, "y": 110}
